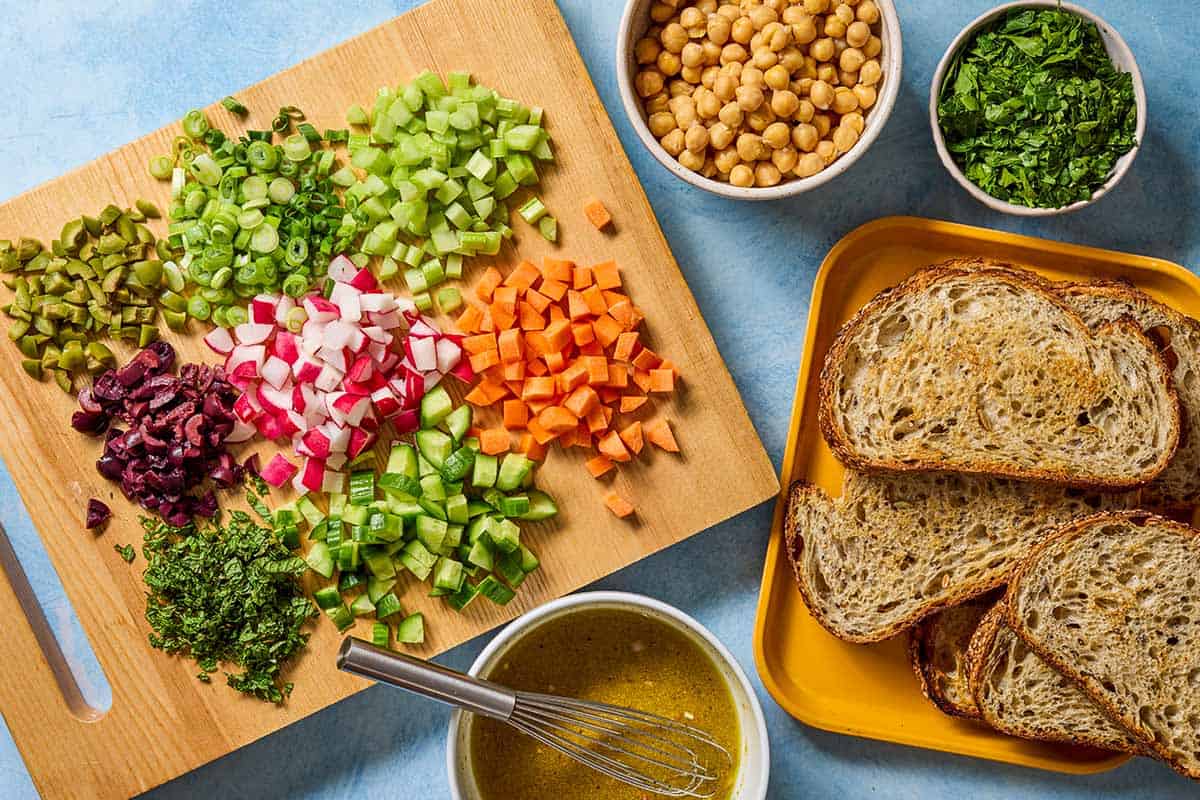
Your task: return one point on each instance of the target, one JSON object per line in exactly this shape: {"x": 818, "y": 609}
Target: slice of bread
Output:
{"x": 896, "y": 548}
{"x": 1178, "y": 339}
{"x": 983, "y": 368}
{"x": 1113, "y": 602}
{"x": 1018, "y": 693}
{"x": 937, "y": 648}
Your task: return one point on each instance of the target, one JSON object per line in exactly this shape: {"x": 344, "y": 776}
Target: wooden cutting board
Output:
{"x": 163, "y": 722}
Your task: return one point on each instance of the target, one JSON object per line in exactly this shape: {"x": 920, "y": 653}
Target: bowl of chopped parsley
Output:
{"x": 1038, "y": 108}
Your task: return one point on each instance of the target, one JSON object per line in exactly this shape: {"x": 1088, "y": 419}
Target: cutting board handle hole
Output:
{"x": 81, "y": 680}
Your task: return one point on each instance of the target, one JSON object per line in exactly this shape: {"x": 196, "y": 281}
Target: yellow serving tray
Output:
{"x": 870, "y": 690}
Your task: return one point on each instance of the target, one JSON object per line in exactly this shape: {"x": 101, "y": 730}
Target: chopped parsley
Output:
{"x": 126, "y": 551}
{"x": 1033, "y": 110}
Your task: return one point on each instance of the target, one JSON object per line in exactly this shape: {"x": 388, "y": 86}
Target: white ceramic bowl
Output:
{"x": 634, "y": 23}
{"x": 1121, "y": 57}
{"x": 755, "y": 762}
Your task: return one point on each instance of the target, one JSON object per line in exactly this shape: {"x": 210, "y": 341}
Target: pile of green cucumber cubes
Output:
{"x": 442, "y": 510}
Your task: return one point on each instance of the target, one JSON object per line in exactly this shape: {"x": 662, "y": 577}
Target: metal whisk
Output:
{"x": 645, "y": 750}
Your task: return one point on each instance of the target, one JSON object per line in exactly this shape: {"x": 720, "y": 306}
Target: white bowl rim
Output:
{"x": 523, "y": 624}
{"x": 882, "y": 111}
{"x": 1111, "y": 37}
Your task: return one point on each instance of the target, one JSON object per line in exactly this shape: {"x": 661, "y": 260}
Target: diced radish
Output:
{"x": 297, "y": 421}
{"x": 306, "y": 369}
{"x": 448, "y": 355}
{"x": 319, "y": 309}
{"x": 329, "y": 378}
{"x": 316, "y": 441}
{"x": 342, "y": 269}
{"x": 313, "y": 475}
{"x": 246, "y": 354}
{"x": 376, "y": 333}
{"x": 360, "y": 440}
{"x": 369, "y": 421}
{"x": 262, "y": 309}
{"x": 278, "y": 471}
{"x": 299, "y": 401}
{"x": 389, "y": 321}
{"x": 385, "y": 402}
{"x": 432, "y": 379}
{"x": 358, "y": 341}
{"x": 380, "y": 303}
{"x": 348, "y": 409}
{"x": 246, "y": 408}
{"x": 421, "y": 328}
{"x": 332, "y": 481}
{"x": 346, "y": 298}
{"x": 242, "y": 432}
{"x": 387, "y": 365}
{"x": 284, "y": 345}
{"x": 276, "y": 371}
{"x": 333, "y": 358}
{"x": 364, "y": 281}
{"x": 339, "y": 436}
{"x": 424, "y": 352}
{"x": 266, "y": 398}
{"x": 463, "y": 371}
{"x": 414, "y": 386}
{"x": 283, "y": 307}
{"x": 220, "y": 341}
{"x": 360, "y": 370}
{"x": 253, "y": 333}
{"x": 407, "y": 421}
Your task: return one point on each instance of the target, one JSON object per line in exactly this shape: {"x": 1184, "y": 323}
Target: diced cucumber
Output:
{"x": 495, "y": 591}
{"x": 403, "y": 460}
{"x": 347, "y": 556}
{"x": 432, "y": 508}
{"x": 319, "y": 559}
{"x": 456, "y": 509}
{"x": 458, "y": 422}
{"x": 362, "y": 487}
{"x": 327, "y": 597}
{"x": 380, "y": 565}
{"x": 529, "y": 562}
{"x": 505, "y": 535}
{"x": 484, "y": 474}
{"x": 541, "y": 506}
{"x": 318, "y": 531}
{"x": 477, "y": 527}
{"x": 349, "y": 580}
{"x": 448, "y": 574}
{"x": 378, "y": 587}
{"x": 362, "y": 606}
{"x": 509, "y": 567}
{"x": 453, "y": 538}
{"x": 436, "y": 405}
{"x": 458, "y": 464}
{"x": 411, "y": 629}
{"x": 435, "y": 446}
{"x": 381, "y": 634}
{"x": 477, "y": 507}
{"x": 387, "y": 605}
{"x": 312, "y": 515}
{"x": 431, "y": 532}
{"x": 355, "y": 515}
{"x": 337, "y": 503}
{"x": 513, "y": 470}
{"x": 481, "y": 555}
{"x": 397, "y": 483}
{"x": 463, "y": 597}
{"x": 340, "y": 616}
{"x": 424, "y": 467}
{"x": 432, "y": 488}
{"x": 514, "y": 506}
{"x": 404, "y": 509}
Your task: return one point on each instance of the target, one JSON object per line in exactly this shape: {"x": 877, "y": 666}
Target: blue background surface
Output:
{"x": 81, "y": 79}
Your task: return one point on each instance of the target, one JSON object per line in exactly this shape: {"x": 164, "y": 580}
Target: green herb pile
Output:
{"x": 1033, "y": 110}
{"x": 227, "y": 594}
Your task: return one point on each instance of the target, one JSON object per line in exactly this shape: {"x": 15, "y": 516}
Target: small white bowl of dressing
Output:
{"x": 753, "y": 757}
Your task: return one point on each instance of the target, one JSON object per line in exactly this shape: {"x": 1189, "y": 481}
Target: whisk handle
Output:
{"x": 426, "y": 678}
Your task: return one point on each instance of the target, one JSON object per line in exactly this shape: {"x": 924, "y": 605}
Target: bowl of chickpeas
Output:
{"x": 758, "y": 99}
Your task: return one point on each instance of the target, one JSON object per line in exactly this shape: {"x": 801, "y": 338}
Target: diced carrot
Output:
{"x": 511, "y": 346}
{"x": 636, "y": 318}
{"x": 516, "y": 414}
{"x": 556, "y": 313}
{"x": 581, "y": 278}
{"x": 486, "y": 323}
{"x": 596, "y": 421}
{"x": 554, "y": 269}
{"x": 496, "y": 375}
{"x": 567, "y": 438}
{"x": 597, "y": 369}
{"x": 479, "y": 397}
{"x": 468, "y": 320}
{"x": 612, "y": 298}
{"x": 618, "y": 375}
{"x": 581, "y": 401}
{"x": 558, "y": 334}
{"x": 494, "y": 441}
{"x": 596, "y": 213}
{"x": 613, "y": 447}
{"x": 607, "y": 275}
{"x": 537, "y": 300}
{"x": 474, "y": 431}
{"x": 583, "y": 436}
{"x": 595, "y": 300}
{"x": 506, "y": 297}
{"x": 582, "y": 333}
{"x": 632, "y": 437}
{"x": 632, "y": 402}
{"x": 623, "y": 312}
{"x": 530, "y": 319}
{"x": 625, "y": 346}
{"x": 555, "y": 362}
{"x": 572, "y": 377}
{"x": 600, "y": 465}
{"x": 487, "y": 284}
{"x": 646, "y": 359}
{"x": 618, "y": 505}
{"x": 479, "y": 343}
{"x": 607, "y": 329}
{"x": 523, "y": 276}
{"x": 514, "y": 386}
{"x": 538, "y": 389}
{"x": 540, "y": 434}
{"x": 577, "y": 307}
{"x": 553, "y": 289}
{"x": 608, "y": 414}
{"x": 481, "y": 361}
{"x": 514, "y": 372}
{"x": 538, "y": 406}
{"x": 536, "y": 368}
{"x": 642, "y": 378}
{"x": 493, "y": 390}
{"x": 531, "y": 448}
{"x": 591, "y": 349}
{"x": 609, "y": 395}
{"x": 665, "y": 364}
{"x": 662, "y": 380}
{"x": 502, "y": 316}
{"x": 658, "y": 433}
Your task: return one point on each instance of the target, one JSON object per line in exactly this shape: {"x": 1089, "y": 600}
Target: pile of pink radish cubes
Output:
{"x": 328, "y": 372}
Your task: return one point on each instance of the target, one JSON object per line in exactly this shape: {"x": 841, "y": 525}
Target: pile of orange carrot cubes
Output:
{"x": 559, "y": 347}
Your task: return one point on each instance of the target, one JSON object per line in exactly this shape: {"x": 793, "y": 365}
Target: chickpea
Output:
{"x": 709, "y": 170}
{"x": 868, "y": 12}
{"x": 720, "y": 136}
{"x": 821, "y": 95}
{"x": 742, "y": 30}
{"x": 742, "y": 176}
{"x": 712, "y": 52}
{"x": 865, "y": 94}
{"x": 661, "y": 12}
{"x": 791, "y": 59}
{"x": 827, "y": 150}
{"x": 777, "y": 135}
{"x": 805, "y": 30}
{"x": 808, "y": 165}
{"x": 816, "y": 6}
{"x": 810, "y": 68}
{"x": 678, "y": 88}
{"x": 852, "y": 59}
{"x": 726, "y": 159}
{"x": 660, "y": 102}
{"x": 847, "y": 79}
{"x": 784, "y": 103}
{"x": 750, "y": 147}
{"x": 708, "y": 106}
{"x": 661, "y": 123}
{"x": 834, "y": 27}
{"x": 854, "y": 120}
{"x": 691, "y": 75}
{"x": 686, "y": 116}
{"x": 731, "y": 115}
{"x": 751, "y": 76}
{"x": 844, "y": 101}
{"x": 803, "y": 86}
{"x": 793, "y": 14}
{"x": 733, "y": 52}
{"x": 764, "y": 58}
{"x": 805, "y": 137}
{"x": 724, "y": 87}
{"x": 707, "y": 6}
{"x": 733, "y": 69}
{"x": 766, "y": 174}
{"x": 674, "y": 37}
{"x": 673, "y": 142}
{"x": 873, "y": 47}
{"x": 729, "y": 11}
{"x": 668, "y": 63}
{"x": 691, "y": 160}
{"x": 696, "y": 138}
{"x": 692, "y": 55}
{"x": 838, "y": 46}
{"x": 646, "y": 50}
{"x": 648, "y": 82}
{"x": 804, "y": 112}
{"x": 822, "y": 49}
{"x": 760, "y": 118}
{"x": 822, "y": 122}
{"x": 777, "y": 5}
{"x": 749, "y": 97}
{"x": 785, "y": 159}
{"x": 827, "y": 73}
{"x": 692, "y": 18}
{"x": 844, "y": 14}
{"x": 777, "y": 78}
{"x": 680, "y": 100}
{"x": 719, "y": 28}
{"x": 776, "y": 36}
{"x": 858, "y": 33}
{"x": 708, "y": 76}
{"x": 760, "y": 16}
{"x": 870, "y": 73}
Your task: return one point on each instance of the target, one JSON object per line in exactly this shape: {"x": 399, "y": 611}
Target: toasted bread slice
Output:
{"x": 1018, "y": 693}
{"x": 983, "y": 368}
{"x": 1178, "y": 339}
{"x": 937, "y": 648}
{"x": 896, "y": 548}
{"x": 1110, "y": 601}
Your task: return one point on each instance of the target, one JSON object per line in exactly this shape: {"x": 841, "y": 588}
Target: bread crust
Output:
{"x": 1069, "y": 532}
{"x": 921, "y": 645}
{"x": 845, "y": 452}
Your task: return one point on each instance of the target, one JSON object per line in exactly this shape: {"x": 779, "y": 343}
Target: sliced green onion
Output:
{"x": 195, "y": 124}
{"x": 233, "y": 106}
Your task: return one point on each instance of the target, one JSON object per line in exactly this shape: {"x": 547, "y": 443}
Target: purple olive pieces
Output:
{"x": 172, "y": 451}
{"x": 97, "y": 514}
